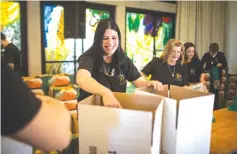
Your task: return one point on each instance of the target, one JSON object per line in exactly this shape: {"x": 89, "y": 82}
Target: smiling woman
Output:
{"x": 105, "y": 68}
{"x": 110, "y": 43}
{"x": 170, "y": 67}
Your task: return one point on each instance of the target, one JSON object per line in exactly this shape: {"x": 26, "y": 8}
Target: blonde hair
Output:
{"x": 168, "y": 50}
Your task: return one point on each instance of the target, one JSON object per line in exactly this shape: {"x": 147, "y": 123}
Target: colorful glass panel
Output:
{"x": 93, "y": 16}
{"x": 163, "y": 32}
{"x": 61, "y": 67}
{"x": 11, "y": 22}
{"x": 139, "y": 40}
{"x": 57, "y": 48}
{"x": 142, "y": 31}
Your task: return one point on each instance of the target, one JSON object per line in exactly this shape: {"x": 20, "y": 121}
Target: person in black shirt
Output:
{"x": 170, "y": 67}
{"x": 11, "y": 55}
{"x": 105, "y": 68}
{"x": 195, "y": 69}
{"x": 42, "y": 122}
{"x": 214, "y": 58}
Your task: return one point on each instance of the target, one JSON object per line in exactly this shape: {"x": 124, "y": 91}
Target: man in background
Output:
{"x": 11, "y": 55}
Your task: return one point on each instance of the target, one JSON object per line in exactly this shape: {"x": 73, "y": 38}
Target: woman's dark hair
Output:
{"x": 3, "y": 37}
{"x": 119, "y": 55}
{"x": 214, "y": 47}
{"x": 188, "y": 45}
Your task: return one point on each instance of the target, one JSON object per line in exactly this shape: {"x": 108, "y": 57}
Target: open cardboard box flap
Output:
{"x": 136, "y": 128}
{"x": 187, "y": 119}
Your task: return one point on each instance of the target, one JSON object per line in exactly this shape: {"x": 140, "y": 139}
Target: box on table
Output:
{"x": 187, "y": 120}
{"x": 134, "y": 129}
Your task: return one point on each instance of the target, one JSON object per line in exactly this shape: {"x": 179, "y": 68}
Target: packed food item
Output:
{"x": 45, "y": 78}
{"x": 70, "y": 92}
{"x": 70, "y": 105}
{"x": 33, "y": 82}
{"x": 53, "y": 80}
{"x": 59, "y": 80}
{"x": 38, "y": 91}
{"x": 37, "y": 151}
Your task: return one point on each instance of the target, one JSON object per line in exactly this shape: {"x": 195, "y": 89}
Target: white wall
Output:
{"x": 34, "y": 31}
{"x": 231, "y": 36}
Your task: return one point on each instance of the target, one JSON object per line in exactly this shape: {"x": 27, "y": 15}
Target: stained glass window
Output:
{"x": 61, "y": 54}
{"x": 139, "y": 41}
{"x": 163, "y": 32}
{"x": 11, "y": 22}
{"x": 93, "y": 16}
{"x": 146, "y": 35}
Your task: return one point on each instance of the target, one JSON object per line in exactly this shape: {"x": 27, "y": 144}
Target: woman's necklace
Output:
{"x": 170, "y": 70}
{"x": 107, "y": 69}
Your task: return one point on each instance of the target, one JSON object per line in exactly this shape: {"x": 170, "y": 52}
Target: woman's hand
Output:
{"x": 205, "y": 88}
{"x": 156, "y": 85}
{"x": 109, "y": 100}
{"x": 219, "y": 65}
{"x": 141, "y": 82}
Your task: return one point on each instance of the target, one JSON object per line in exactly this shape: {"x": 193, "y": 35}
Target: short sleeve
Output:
{"x": 19, "y": 104}
{"x": 86, "y": 62}
{"x": 147, "y": 70}
{"x": 131, "y": 71}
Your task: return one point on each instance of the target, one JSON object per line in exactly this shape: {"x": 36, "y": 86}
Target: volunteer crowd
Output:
{"x": 103, "y": 69}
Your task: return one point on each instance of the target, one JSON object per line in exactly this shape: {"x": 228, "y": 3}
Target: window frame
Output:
{"x": 24, "y": 43}
{"x": 109, "y": 8}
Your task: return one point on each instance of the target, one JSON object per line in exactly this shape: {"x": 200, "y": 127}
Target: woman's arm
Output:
{"x": 87, "y": 83}
{"x": 141, "y": 82}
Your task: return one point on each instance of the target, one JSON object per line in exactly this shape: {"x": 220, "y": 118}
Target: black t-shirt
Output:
{"x": 213, "y": 61}
{"x": 194, "y": 70}
{"x": 19, "y": 105}
{"x": 13, "y": 55}
{"x": 114, "y": 79}
{"x": 163, "y": 72}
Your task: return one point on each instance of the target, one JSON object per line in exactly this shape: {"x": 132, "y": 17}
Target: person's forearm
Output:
{"x": 49, "y": 129}
{"x": 141, "y": 82}
{"x": 92, "y": 86}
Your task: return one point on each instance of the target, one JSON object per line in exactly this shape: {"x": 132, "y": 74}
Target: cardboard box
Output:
{"x": 187, "y": 120}
{"x": 134, "y": 129}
